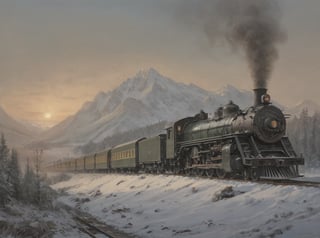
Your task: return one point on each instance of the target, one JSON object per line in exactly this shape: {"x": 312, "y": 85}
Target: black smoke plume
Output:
{"x": 253, "y": 25}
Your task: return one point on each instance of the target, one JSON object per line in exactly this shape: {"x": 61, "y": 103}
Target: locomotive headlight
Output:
{"x": 266, "y": 99}
{"x": 271, "y": 123}
{"x": 274, "y": 124}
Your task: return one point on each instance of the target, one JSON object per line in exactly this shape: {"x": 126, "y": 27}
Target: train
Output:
{"x": 249, "y": 144}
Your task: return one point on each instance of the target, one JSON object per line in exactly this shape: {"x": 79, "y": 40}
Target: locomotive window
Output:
{"x": 169, "y": 133}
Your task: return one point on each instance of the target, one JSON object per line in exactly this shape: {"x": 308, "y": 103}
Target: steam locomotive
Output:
{"x": 249, "y": 143}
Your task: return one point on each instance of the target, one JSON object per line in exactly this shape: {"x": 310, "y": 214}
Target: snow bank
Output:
{"x": 174, "y": 206}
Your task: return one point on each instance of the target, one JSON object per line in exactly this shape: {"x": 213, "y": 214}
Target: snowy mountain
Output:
{"x": 16, "y": 133}
{"x": 311, "y": 106}
{"x": 142, "y": 100}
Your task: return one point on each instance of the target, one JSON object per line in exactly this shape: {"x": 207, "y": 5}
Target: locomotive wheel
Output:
{"x": 158, "y": 170}
{"x": 189, "y": 172}
{"x": 246, "y": 174}
{"x": 176, "y": 170}
{"x": 210, "y": 173}
{"x": 255, "y": 174}
{"x": 194, "y": 172}
{"x": 199, "y": 172}
{"x": 221, "y": 173}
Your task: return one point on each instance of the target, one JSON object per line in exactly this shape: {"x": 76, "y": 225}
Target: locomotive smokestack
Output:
{"x": 258, "y": 96}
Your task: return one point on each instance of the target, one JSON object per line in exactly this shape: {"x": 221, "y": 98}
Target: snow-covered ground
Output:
{"x": 19, "y": 220}
{"x": 174, "y": 206}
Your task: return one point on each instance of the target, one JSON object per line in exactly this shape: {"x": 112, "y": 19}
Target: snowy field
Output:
{"x": 173, "y": 206}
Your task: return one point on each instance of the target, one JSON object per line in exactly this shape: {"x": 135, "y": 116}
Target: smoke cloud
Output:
{"x": 252, "y": 25}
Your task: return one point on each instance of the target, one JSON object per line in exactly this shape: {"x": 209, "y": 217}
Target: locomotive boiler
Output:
{"x": 248, "y": 143}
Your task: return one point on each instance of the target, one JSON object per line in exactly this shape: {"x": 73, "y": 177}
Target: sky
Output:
{"x": 57, "y": 54}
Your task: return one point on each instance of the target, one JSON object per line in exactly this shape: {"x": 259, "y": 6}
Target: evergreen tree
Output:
{"x": 304, "y": 121}
{"x": 304, "y": 133}
{"x": 4, "y": 151}
{"x": 14, "y": 175}
{"x": 5, "y": 188}
{"x": 29, "y": 185}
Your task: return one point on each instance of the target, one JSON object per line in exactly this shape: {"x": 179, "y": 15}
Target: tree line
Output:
{"x": 27, "y": 187}
{"x": 304, "y": 134}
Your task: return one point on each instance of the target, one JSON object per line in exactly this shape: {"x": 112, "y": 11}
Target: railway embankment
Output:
{"x": 175, "y": 206}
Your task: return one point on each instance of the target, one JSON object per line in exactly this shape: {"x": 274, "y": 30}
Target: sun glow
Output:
{"x": 47, "y": 115}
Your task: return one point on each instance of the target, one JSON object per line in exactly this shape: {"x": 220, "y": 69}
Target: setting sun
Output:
{"x": 47, "y": 115}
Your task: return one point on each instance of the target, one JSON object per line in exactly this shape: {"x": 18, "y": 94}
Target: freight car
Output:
{"x": 247, "y": 143}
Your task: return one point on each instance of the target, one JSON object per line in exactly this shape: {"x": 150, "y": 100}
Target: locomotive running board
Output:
{"x": 205, "y": 166}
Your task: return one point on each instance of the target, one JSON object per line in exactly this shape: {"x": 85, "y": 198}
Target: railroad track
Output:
{"x": 274, "y": 181}
{"x": 278, "y": 181}
{"x": 93, "y": 227}
{"x": 86, "y": 226}
{"x": 292, "y": 182}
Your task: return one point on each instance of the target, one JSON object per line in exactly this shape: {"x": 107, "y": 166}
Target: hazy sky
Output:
{"x": 57, "y": 54}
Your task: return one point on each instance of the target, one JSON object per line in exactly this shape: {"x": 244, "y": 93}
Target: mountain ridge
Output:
{"x": 16, "y": 133}
{"x": 141, "y": 100}
{"x": 144, "y": 99}
{"x": 310, "y": 105}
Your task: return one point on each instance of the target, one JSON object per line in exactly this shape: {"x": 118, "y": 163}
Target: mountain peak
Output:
{"x": 150, "y": 73}
{"x": 143, "y": 83}
{"x": 227, "y": 89}
{"x": 144, "y": 99}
